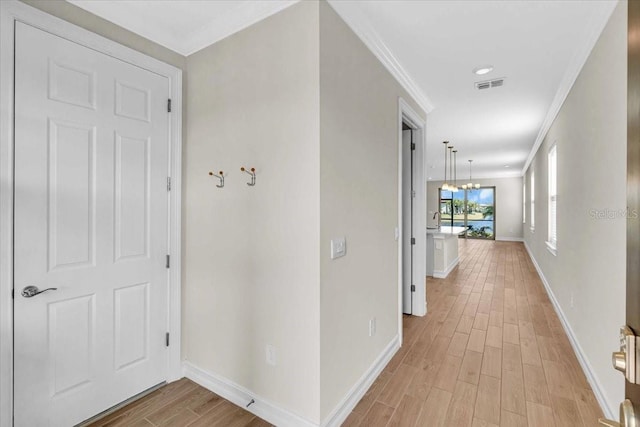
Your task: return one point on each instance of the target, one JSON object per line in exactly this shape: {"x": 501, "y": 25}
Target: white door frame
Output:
{"x": 419, "y": 306}
{"x": 11, "y": 11}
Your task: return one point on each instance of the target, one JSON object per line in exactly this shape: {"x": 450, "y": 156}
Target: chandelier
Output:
{"x": 470, "y": 185}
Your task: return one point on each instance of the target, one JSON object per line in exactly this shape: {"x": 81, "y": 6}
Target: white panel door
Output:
{"x": 91, "y": 220}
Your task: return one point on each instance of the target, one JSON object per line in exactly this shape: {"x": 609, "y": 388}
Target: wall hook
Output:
{"x": 252, "y": 172}
{"x": 220, "y": 177}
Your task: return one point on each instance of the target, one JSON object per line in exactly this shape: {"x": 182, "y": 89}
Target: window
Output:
{"x": 553, "y": 195}
{"x": 532, "y": 188}
{"x": 472, "y": 209}
{"x": 524, "y": 200}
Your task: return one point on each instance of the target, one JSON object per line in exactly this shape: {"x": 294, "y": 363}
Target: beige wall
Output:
{"x": 587, "y": 276}
{"x": 251, "y": 261}
{"x": 359, "y": 200}
{"x": 508, "y": 205}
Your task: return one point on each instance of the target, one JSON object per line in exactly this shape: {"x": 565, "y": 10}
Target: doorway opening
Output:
{"x": 410, "y": 233}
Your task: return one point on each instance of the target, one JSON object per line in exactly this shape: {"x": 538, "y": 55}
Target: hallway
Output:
{"x": 490, "y": 352}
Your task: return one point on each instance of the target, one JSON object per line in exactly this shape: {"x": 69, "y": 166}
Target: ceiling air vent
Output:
{"x": 487, "y": 84}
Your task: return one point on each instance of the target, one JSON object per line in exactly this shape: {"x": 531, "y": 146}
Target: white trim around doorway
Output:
{"x": 11, "y": 11}
{"x": 419, "y": 307}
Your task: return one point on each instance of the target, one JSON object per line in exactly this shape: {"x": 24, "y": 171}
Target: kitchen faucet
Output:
{"x": 437, "y": 213}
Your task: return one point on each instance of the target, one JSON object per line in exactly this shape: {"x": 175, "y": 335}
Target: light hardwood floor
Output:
{"x": 490, "y": 352}
{"x": 180, "y": 404}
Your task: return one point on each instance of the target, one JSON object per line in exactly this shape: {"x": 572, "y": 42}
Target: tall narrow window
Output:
{"x": 553, "y": 195}
{"x": 532, "y": 188}
{"x": 524, "y": 200}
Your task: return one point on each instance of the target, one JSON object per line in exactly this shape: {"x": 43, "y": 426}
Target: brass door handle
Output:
{"x": 627, "y": 417}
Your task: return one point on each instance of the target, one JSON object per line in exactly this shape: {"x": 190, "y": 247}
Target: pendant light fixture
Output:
{"x": 445, "y": 186}
{"x": 455, "y": 170}
{"x": 452, "y": 187}
{"x": 470, "y": 185}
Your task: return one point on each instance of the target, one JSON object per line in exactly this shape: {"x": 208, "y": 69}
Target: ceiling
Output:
{"x": 431, "y": 47}
{"x": 184, "y": 26}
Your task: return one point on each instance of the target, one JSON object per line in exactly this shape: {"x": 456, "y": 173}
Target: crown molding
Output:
{"x": 243, "y": 15}
{"x": 360, "y": 25}
{"x": 599, "y": 20}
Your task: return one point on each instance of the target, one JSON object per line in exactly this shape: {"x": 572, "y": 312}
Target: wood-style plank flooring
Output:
{"x": 490, "y": 352}
{"x": 180, "y": 404}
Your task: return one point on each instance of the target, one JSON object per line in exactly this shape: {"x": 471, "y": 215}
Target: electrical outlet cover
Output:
{"x": 338, "y": 247}
{"x": 271, "y": 355}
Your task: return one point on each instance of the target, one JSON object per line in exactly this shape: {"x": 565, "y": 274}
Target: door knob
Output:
{"x": 619, "y": 359}
{"x": 627, "y": 417}
{"x": 32, "y": 291}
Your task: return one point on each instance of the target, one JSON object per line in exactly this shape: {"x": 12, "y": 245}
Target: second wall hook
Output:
{"x": 251, "y": 172}
{"x": 220, "y": 177}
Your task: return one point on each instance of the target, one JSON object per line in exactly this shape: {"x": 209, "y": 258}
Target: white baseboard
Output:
{"x": 240, "y": 396}
{"x": 438, "y": 274}
{"x": 278, "y": 416}
{"x": 509, "y": 239}
{"x": 351, "y": 399}
{"x": 609, "y": 411}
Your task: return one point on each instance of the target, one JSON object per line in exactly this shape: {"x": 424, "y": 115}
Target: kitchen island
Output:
{"x": 442, "y": 250}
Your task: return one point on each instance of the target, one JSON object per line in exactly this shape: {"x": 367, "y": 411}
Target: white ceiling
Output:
{"x": 431, "y": 47}
{"x": 184, "y": 26}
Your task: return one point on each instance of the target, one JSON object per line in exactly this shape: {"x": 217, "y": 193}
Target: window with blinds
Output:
{"x": 553, "y": 197}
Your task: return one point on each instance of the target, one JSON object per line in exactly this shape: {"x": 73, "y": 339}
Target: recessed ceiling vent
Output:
{"x": 488, "y": 84}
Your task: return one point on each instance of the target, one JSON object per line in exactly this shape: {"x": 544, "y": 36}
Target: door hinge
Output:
{"x": 169, "y": 105}
{"x": 413, "y": 193}
{"x": 168, "y": 261}
{"x": 413, "y": 288}
{"x": 168, "y": 183}
{"x": 413, "y": 240}
{"x": 12, "y": 290}
{"x": 166, "y": 339}
{"x": 413, "y": 145}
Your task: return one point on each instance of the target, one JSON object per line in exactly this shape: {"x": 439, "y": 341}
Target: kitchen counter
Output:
{"x": 442, "y": 250}
{"x": 446, "y": 230}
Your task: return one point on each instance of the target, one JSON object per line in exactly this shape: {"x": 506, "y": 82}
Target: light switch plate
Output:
{"x": 338, "y": 247}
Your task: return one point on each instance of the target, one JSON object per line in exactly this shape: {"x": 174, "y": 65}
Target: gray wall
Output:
{"x": 359, "y": 132}
{"x": 508, "y": 205}
{"x": 587, "y": 277}
{"x": 252, "y": 253}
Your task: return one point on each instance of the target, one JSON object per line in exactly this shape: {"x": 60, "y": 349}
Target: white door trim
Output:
{"x": 408, "y": 114}
{"x": 11, "y": 11}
